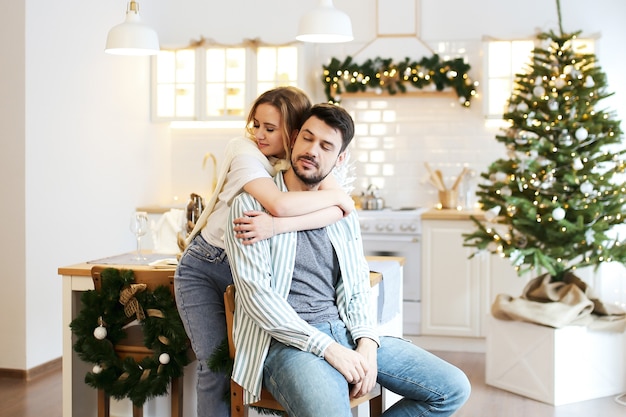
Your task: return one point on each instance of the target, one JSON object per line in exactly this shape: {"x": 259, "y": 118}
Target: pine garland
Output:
{"x": 163, "y": 333}
{"x": 381, "y": 74}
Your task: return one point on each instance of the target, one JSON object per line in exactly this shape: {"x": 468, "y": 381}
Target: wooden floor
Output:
{"x": 42, "y": 397}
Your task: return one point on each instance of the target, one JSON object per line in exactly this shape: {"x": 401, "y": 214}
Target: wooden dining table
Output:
{"x": 79, "y": 400}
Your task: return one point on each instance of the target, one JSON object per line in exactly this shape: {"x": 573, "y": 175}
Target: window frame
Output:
{"x": 494, "y": 117}
{"x": 200, "y": 84}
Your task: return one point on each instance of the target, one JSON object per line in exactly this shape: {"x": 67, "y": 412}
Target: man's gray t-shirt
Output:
{"x": 315, "y": 276}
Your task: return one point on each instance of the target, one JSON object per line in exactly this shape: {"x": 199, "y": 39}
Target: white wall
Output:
{"x": 391, "y": 155}
{"x": 79, "y": 151}
{"x": 81, "y": 155}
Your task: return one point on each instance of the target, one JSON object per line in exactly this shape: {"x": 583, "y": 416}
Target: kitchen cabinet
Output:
{"x": 457, "y": 291}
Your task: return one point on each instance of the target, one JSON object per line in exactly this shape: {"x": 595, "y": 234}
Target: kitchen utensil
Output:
{"x": 455, "y": 186}
{"x": 371, "y": 200}
{"x": 436, "y": 179}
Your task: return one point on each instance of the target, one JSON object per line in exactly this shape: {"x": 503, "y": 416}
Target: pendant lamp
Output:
{"x": 132, "y": 37}
{"x": 325, "y": 24}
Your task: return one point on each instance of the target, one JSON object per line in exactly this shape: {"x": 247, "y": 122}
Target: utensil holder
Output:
{"x": 449, "y": 199}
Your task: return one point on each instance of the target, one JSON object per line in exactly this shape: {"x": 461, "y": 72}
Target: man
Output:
{"x": 303, "y": 327}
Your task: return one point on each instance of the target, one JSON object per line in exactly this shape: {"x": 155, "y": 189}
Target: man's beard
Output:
{"x": 314, "y": 180}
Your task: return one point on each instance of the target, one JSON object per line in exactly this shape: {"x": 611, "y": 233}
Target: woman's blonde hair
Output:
{"x": 292, "y": 103}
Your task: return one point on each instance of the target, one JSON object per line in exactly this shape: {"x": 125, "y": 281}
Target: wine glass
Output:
{"x": 139, "y": 227}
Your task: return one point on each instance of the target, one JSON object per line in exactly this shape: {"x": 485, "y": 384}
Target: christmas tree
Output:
{"x": 554, "y": 202}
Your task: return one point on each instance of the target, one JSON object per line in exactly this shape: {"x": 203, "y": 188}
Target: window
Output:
{"x": 217, "y": 83}
{"x": 504, "y": 59}
{"x": 174, "y": 92}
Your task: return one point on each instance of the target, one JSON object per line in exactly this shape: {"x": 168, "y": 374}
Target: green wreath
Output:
{"x": 100, "y": 325}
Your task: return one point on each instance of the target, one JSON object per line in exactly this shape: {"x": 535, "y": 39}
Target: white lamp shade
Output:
{"x": 132, "y": 37}
{"x": 325, "y": 24}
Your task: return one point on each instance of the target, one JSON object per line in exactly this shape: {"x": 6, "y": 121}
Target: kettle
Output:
{"x": 194, "y": 210}
{"x": 371, "y": 200}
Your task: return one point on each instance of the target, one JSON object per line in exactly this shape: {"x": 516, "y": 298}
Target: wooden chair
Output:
{"x": 237, "y": 408}
{"x": 133, "y": 345}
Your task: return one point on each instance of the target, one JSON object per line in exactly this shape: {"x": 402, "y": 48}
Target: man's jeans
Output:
{"x": 200, "y": 281}
{"x": 308, "y": 386}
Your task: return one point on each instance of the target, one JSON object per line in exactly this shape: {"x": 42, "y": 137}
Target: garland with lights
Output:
{"x": 380, "y": 75}
{"x": 101, "y": 323}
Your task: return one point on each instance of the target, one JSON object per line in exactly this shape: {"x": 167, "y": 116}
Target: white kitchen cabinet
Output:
{"x": 457, "y": 292}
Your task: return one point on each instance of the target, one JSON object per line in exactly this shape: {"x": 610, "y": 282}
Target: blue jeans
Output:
{"x": 308, "y": 386}
{"x": 201, "y": 278}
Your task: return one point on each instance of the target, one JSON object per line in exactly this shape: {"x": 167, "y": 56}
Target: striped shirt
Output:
{"x": 262, "y": 274}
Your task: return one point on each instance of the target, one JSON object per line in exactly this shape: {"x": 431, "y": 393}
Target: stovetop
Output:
{"x": 405, "y": 221}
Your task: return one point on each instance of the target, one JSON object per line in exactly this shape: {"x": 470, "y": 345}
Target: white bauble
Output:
{"x": 558, "y": 214}
{"x": 522, "y": 106}
{"x": 500, "y": 176}
{"x": 96, "y": 369}
{"x": 539, "y": 91}
{"x": 578, "y": 164}
{"x": 560, "y": 83}
{"x": 589, "y": 81}
{"x": 586, "y": 187}
{"x": 553, "y": 105}
{"x": 565, "y": 139}
{"x": 492, "y": 213}
{"x": 100, "y": 332}
{"x": 506, "y": 192}
{"x": 581, "y": 133}
{"x": 164, "y": 358}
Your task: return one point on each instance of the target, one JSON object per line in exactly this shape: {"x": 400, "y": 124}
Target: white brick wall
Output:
{"x": 396, "y": 135}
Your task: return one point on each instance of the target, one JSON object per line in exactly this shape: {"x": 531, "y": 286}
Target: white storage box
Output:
{"x": 555, "y": 366}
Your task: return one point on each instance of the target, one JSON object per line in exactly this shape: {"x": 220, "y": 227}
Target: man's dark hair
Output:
{"x": 335, "y": 117}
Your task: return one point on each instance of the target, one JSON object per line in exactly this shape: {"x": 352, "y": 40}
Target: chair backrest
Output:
{"x": 229, "y": 304}
{"x": 153, "y": 278}
{"x": 238, "y": 409}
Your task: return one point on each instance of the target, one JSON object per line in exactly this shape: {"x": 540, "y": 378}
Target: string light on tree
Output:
{"x": 559, "y": 183}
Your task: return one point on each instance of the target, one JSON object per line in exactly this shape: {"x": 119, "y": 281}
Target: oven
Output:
{"x": 398, "y": 233}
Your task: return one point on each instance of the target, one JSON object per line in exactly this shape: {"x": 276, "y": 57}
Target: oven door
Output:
{"x": 408, "y": 247}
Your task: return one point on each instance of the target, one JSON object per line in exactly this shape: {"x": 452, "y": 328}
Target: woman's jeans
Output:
{"x": 201, "y": 278}
{"x": 308, "y": 386}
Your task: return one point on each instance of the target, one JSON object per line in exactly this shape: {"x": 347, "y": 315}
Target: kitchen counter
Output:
{"x": 158, "y": 209}
{"x": 452, "y": 214}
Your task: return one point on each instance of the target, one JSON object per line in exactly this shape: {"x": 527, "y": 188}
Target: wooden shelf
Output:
{"x": 412, "y": 94}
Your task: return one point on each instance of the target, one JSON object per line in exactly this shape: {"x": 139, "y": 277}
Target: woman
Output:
{"x": 203, "y": 272}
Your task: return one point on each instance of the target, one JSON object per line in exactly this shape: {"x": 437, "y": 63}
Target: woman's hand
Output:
{"x": 254, "y": 227}
{"x": 346, "y": 203}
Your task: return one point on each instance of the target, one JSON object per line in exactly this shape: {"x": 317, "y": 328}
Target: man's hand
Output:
{"x": 358, "y": 366}
{"x": 368, "y": 348}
